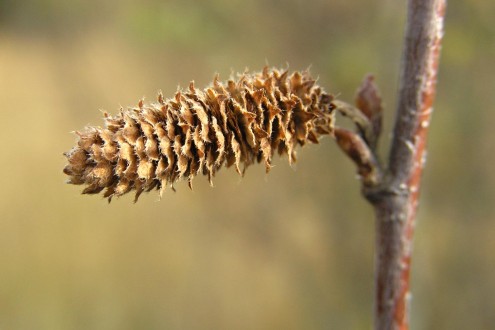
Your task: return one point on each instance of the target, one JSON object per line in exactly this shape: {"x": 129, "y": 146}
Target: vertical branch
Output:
{"x": 396, "y": 198}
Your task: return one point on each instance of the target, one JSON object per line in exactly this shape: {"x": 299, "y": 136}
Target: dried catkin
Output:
{"x": 198, "y": 131}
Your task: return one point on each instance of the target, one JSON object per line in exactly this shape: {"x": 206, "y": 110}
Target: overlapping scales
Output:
{"x": 199, "y": 131}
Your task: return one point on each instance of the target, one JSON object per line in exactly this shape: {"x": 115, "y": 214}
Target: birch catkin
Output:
{"x": 196, "y": 132}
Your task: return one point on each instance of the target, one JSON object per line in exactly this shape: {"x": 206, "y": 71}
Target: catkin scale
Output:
{"x": 199, "y": 131}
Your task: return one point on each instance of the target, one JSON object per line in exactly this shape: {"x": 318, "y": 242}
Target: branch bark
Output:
{"x": 395, "y": 199}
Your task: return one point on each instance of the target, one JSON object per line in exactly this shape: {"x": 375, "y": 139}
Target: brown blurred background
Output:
{"x": 288, "y": 250}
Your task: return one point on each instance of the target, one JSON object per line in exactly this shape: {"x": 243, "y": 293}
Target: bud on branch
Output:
{"x": 357, "y": 149}
{"x": 361, "y": 146}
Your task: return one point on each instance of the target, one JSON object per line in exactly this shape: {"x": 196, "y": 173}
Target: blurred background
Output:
{"x": 288, "y": 250}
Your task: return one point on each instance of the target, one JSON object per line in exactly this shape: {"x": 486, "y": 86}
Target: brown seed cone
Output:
{"x": 197, "y": 131}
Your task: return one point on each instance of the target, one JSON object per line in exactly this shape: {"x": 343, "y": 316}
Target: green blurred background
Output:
{"x": 288, "y": 250}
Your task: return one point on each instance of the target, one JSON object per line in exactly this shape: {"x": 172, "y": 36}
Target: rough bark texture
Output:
{"x": 396, "y": 198}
